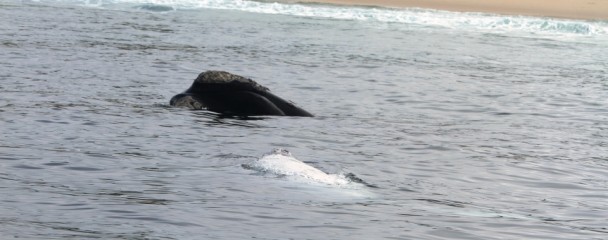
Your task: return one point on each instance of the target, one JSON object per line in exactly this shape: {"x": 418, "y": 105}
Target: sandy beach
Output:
{"x": 574, "y": 9}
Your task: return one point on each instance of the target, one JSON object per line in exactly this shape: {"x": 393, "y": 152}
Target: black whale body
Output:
{"x": 230, "y": 94}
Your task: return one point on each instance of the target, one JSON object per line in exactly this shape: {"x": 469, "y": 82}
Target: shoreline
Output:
{"x": 568, "y": 9}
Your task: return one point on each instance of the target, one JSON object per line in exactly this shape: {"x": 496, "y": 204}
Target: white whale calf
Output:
{"x": 280, "y": 162}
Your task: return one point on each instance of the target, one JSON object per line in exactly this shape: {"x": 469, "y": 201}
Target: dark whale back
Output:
{"x": 232, "y": 94}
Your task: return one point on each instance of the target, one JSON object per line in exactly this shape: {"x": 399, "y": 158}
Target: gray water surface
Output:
{"x": 464, "y": 134}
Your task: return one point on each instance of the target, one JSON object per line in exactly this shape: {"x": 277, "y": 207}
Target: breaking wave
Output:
{"x": 413, "y": 16}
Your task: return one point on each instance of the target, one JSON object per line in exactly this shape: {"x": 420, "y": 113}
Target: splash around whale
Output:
{"x": 279, "y": 162}
{"x": 231, "y": 94}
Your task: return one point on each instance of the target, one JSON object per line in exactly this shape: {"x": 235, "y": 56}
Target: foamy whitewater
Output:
{"x": 424, "y": 17}
{"x": 428, "y": 124}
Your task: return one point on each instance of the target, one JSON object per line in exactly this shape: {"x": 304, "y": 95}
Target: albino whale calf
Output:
{"x": 280, "y": 162}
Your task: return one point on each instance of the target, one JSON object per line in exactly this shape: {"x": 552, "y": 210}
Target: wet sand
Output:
{"x": 574, "y": 9}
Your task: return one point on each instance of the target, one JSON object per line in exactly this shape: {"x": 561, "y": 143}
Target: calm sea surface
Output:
{"x": 465, "y": 126}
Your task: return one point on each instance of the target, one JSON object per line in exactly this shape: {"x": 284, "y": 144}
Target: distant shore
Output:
{"x": 573, "y": 9}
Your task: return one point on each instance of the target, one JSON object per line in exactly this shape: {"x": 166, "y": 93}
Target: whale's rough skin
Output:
{"x": 231, "y": 94}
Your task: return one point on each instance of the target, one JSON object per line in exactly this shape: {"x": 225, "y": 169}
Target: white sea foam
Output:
{"x": 419, "y": 17}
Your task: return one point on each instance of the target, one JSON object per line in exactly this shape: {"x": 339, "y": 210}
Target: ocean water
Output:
{"x": 459, "y": 125}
